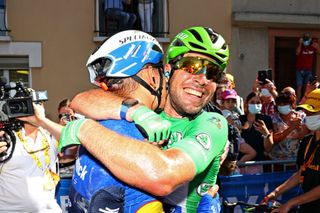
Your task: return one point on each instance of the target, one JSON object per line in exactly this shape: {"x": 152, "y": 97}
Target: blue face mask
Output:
{"x": 307, "y": 42}
{"x": 254, "y": 108}
{"x": 265, "y": 92}
{"x": 313, "y": 122}
{"x": 284, "y": 110}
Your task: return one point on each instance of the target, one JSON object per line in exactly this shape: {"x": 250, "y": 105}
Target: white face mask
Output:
{"x": 313, "y": 122}
{"x": 284, "y": 110}
{"x": 265, "y": 92}
{"x": 226, "y": 113}
{"x": 254, "y": 108}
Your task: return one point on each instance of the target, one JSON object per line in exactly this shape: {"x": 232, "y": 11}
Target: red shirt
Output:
{"x": 268, "y": 108}
{"x": 305, "y": 57}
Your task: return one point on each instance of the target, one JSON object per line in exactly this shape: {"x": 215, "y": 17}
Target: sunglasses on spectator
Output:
{"x": 196, "y": 66}
{"x": 67, "y": 117}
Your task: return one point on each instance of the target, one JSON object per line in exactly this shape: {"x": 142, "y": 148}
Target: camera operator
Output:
{"x": 305, "y": 52}
{"x": 28, "y": 179}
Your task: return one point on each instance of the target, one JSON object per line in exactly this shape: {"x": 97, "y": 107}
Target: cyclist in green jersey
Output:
{"x": 188, "y": 165}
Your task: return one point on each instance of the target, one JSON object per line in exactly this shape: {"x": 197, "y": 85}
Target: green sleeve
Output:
{"x": 205, "y": 139}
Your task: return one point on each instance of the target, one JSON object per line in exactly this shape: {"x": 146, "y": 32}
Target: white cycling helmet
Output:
{"x": 123, "y": 55}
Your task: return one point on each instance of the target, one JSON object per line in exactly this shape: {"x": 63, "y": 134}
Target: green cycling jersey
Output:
{"x": 203, "y": 138}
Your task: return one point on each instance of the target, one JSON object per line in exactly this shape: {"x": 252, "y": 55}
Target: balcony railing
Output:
{"x": 113, "y": 16}
{"x": 3, "y": 21}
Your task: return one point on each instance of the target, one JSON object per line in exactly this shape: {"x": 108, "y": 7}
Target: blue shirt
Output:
{"x": 117, "y": 4}
{"x": 91, "y": 176}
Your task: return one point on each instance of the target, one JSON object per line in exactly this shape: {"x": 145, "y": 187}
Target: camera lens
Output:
{"x": 18, "y": 107}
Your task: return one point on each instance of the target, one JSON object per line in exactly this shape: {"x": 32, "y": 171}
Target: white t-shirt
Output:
{"x": 22, "y": 181}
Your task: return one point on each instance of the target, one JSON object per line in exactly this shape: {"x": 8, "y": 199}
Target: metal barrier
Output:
{"x": 285, "y": 164}
{"x": 240, "y": 187}
{"x": 252, "y": 188}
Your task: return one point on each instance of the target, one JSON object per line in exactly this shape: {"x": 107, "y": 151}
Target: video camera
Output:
{"x": 15, "y": 101}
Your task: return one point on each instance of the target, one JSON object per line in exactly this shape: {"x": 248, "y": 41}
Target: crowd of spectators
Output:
{"x": 266, "y": 125}
{"x": 270, "y": 125}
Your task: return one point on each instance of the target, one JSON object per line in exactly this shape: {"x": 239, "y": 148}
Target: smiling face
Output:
{"x": 229, "y": 104}
{"x": 188, "y": 93}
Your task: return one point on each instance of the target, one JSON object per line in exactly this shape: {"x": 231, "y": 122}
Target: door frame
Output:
{"x": 273, "y": 32}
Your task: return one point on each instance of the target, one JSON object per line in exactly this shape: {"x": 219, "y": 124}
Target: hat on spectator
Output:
{"x": 312, "y": 103}
{"x": 230, "y": 79}
{"x": 229, "y": 94}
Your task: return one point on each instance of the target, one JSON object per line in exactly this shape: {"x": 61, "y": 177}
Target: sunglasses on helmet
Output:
{"x": 197, "y": 65}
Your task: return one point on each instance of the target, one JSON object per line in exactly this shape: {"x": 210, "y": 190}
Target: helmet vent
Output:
{"x": 224, "y": 47}
{"x": 221, "y": 55}
{"x": 156, "y": 48}
{"x": 212, "y": 34}
{"x": 178, "y": 43}
{"x": 196, "y": 46}
{"x": 196, "y": 35}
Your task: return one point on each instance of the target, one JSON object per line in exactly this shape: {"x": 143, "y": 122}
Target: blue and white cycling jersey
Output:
{"x": 97, "y": 186}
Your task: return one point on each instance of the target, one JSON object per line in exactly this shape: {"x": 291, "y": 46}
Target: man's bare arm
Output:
{"x": 312, "y": 195}
{"x": 97, "y": 104}
{"x": 137, "y": 163}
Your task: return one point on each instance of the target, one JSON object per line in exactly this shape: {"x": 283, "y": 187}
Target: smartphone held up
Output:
{"x": 263, "y": 75}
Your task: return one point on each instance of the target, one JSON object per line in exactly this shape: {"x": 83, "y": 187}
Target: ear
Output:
{"x": 167, "y": 70}
{"x": 152, "y": 77}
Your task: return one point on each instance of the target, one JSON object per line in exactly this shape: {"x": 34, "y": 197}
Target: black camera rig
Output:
{"x": 15, "y": 101}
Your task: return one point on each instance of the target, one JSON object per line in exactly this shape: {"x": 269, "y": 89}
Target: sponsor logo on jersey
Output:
{"x": 204, "y": 140}
{"x": 108, "y": 210}
{"x": 175, "y": 137}
{"x": 81, "y": 170}
{"x": 203, "y": 188}
{"x": 216, "y": 121}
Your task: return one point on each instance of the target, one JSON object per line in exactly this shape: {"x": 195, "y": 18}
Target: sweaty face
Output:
{"x": 189, "y": 93}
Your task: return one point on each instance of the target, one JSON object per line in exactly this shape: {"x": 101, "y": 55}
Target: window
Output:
{"x": 16, "y": 75}
{"x": 3, "y": 15}
{"x": 113, "y": 16}
{"x": 15, "y": 69}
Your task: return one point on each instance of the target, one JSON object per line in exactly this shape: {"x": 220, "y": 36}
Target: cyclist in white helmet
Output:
{"x": 188, "y": 165}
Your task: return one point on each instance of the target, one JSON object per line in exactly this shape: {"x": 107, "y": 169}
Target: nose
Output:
{"x": 201, "y": 79}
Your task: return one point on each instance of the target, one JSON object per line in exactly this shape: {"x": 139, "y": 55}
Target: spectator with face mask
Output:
{"x": 305, "y": 52}
{"x": 257, "y": 130}
{"x": 308, "y": 160}
{"x": 288, "y": 128}
{"x": 268, "y": 93}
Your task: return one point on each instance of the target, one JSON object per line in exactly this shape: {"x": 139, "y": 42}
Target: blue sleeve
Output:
{"x": 209, "y": 204}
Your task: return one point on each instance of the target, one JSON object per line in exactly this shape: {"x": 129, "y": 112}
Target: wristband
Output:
{"x": 266, "y": 136}
{"x": 126, "y": 104}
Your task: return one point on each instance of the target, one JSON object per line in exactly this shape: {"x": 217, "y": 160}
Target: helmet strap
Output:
{"x": 157, "y": 92}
